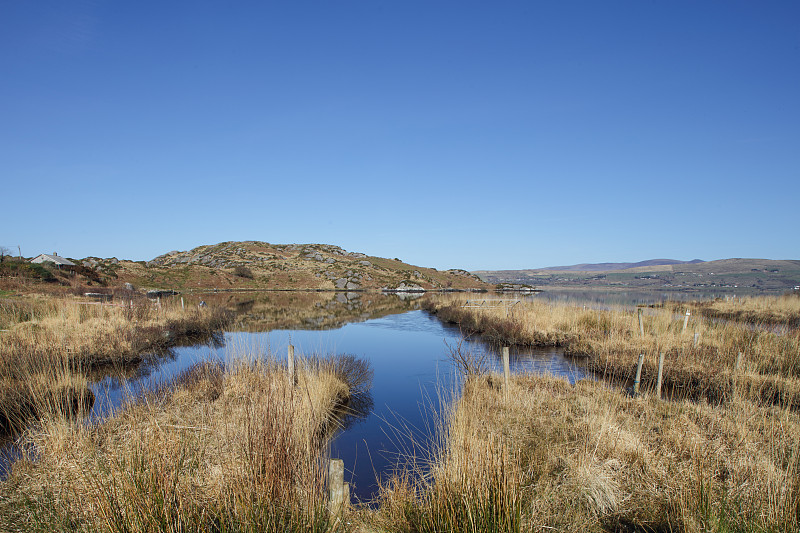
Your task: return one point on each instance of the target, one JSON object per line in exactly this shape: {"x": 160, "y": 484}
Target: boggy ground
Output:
{"x": 548, "y": 456}
{"x": 239, "y": 449}
{"x": 699, "y": 361}
{"x": 763, "y": 310}
{"x": 234, "y": 447}
{"x": 49, "y": 343}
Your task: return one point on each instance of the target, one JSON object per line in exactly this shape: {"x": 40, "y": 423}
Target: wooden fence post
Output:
{"x": 660, "y": 374}
{"x": 696, "y": 339}
{"x": 641, "y": 322}
{"x": 506, "y": 367}
{"x": 338, "y": 490}
{"x": 291, "y": 363}
{"x": 638, "y": 375}
{"x": 686, "y": 320}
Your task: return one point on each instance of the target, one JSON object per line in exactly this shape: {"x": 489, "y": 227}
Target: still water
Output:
{"x": 409, "y": 354}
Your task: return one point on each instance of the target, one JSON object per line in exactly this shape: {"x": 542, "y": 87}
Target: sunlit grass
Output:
{"x": 233, "y": 447}
{"x": 50, "y": 343}
{"x": 700, "y": 359}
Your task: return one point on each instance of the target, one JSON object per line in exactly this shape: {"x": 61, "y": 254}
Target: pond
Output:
{"x": 409, "y": 354}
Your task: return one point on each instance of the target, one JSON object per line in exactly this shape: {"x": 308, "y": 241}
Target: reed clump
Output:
{"x": 774, "y": 310}
{"x": 546, "y": 456}
{"x": 49, "y": 344}
{"x": 700, "y": 360}
{"x": 92, "y": 333}
{"x": 235, "y": 447}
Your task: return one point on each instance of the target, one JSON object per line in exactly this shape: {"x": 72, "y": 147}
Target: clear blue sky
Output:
{"x": 448, "y": 134}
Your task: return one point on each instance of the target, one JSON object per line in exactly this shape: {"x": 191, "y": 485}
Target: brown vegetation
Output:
{"x": 699, "y": 361}
{"x": 773, "y": 310}
{"x": 547, "y": 456}
{"x": 234, "y": 448}
{"x": 48, "y": 344}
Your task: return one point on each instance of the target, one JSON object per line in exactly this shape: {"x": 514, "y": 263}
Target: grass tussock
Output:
{"x": 547, "y": 456}
{"x": 234, "y": 448}
{"x": 92, "y": 333}
{"x": 49, "y": 344}
{"x": 774, "y": 310}
{"x": 700, "y": 361}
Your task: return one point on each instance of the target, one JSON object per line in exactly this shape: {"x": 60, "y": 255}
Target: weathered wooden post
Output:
{"x": 641, "y": 321}
{"x": 291, "y": 364}
{"x": 686, "y": 320}
{"x": 506, "y": 368}
{"x": 738, "y": 362}
{"x": 660, "y": 374}
{"x": 338, "y": 490}
{"x": 696, "y": 339}
{"x": 638, "y": 375}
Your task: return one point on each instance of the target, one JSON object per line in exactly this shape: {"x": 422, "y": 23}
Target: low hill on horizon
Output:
{"x": 261, "y": 265}
{"x": 752, "y": 274}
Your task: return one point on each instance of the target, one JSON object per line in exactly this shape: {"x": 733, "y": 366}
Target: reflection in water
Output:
{"x": 9, "y": 452}
{"x": 265, "y": 311}
{"x": 357, "y": 408}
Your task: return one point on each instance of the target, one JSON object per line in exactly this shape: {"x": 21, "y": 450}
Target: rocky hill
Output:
{"x": 261, "y": 265}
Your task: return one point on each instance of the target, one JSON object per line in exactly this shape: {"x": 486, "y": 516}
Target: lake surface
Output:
{"x": 409, "y": 354}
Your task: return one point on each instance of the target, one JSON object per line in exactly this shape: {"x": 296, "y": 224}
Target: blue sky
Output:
{"x": 448, "y": 134}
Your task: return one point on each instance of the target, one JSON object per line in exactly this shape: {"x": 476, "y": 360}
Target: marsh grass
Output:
{"x": 226, "y": 447}
{"x": 51, "y": 344}
{"x": 451, "y": 482}
{"x": 549, "y": 456}
{"x": 772, "y": 310}
{"x": 722, "y": 455}
{"x": 92, "y": 333}
{"x": 608, "y": 342}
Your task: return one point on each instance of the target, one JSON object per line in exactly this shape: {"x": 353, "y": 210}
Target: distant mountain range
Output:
{"x": 604, "y": 267}
{"x": 752, "y": 275}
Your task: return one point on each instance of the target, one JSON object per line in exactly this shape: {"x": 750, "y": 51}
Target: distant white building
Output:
{"x": 54, "y": 258}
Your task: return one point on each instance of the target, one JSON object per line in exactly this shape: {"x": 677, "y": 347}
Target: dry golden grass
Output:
{"x": 778, "y": 310}
{"x": 549, "y": 456}
{"x": 92, "y": 333}
{"x": 48, "y": 344}
{"x": 546, "y": 455}
{"x": 235, "y": 449}
{"x": 699, "y": 361}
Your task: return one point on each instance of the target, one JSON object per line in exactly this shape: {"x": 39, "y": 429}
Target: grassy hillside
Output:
{"x": 755, "y": 275}
{"x": 261, "y": 265}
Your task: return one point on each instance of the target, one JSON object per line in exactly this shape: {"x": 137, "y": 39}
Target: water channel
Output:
{"x": 409, "y": 354}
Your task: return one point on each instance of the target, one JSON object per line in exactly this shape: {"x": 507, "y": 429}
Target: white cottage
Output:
{"x": 54, "y": 258}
